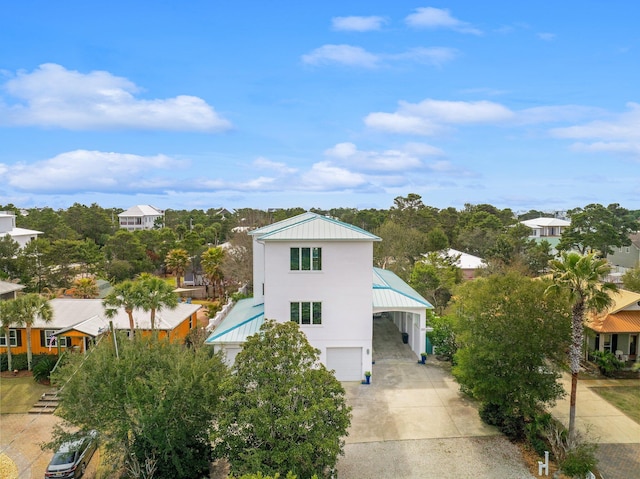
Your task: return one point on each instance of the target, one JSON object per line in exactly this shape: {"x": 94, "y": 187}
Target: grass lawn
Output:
{"x": 18, "y": 395}
{"x": 625, "y": 398}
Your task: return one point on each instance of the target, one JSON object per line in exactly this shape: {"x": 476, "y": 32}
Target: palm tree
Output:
{"x": 177, "y": 261}
{"x": 7, "y": 316}
{"x": 85, "y": 288}
{"x": 124, "y": 295}
{"x": 155, "y": 294}
{"x": 581, "y": 277}
{"x": 29, "y": 308}
{"x": 211, "y": 261}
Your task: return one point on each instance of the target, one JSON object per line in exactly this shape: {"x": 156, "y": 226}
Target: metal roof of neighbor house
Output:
{"x": 542, "y": 222}
{"x": 311, "y": 226}
{"x": 244, "y": 319}
{"x": 390, "y": 292}
{"x": 69, "y": 313}
{"x": 142, "y": 210}
{"x": 466, "y": 260}
{"x": 622, "y": 322}
{"x": 622, "y": 317}
{"x": 6, "y": 287}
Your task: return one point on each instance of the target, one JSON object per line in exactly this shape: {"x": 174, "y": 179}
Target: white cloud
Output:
{"x": 370, "y": 161}
{"x": 88, "y": 171}
{"x": 436, "y": 56}
{"x": 359, "y": 57}
{"x": 266, "y": 164}
{"x": 547, "y": 37}
{"x": 609, "y": 147}
{"x": 343, "y": 54}
{"x": 429, "y": 17}
{"x": 357, "y": 24}
{"x": 430, "y": 116}
{"x": 325, "y": 177}
{"x": 401, "y": 123}
{"x": 53, "y": 96}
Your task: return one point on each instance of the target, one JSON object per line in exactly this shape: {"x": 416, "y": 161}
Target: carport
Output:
{"x": 405, "y": 307}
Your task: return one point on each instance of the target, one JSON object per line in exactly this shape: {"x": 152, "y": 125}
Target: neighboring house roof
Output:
{"x": 142, "y": 210}
{"x": 390, "y": 292}
{"x": 312, "y": 227}
{"x": 6, "y": 288}
{"x": 21, "y": 232}
{"x": 543, "y": 222}
{"x": 88, "y": 315}
{"x": 622, "y": 317}
{"x": 246, "y": 318}
{"x": 243, "y": 320}
{"x": 466, "y": 260}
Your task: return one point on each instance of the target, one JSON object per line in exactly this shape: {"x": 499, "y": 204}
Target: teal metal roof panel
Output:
{"x": 389, "y": 291}
{"x": 243, "y": 320}
{"x": 311, "y": 226}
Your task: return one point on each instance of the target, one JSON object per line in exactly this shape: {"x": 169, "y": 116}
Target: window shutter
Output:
{"x": 18, "y": 338}
{"x": 43, "y": 339}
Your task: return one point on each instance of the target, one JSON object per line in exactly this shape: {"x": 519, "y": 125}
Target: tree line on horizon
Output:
{"x": 87, "y": 240}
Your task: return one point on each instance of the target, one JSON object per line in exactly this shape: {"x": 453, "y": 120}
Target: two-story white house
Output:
{"x": 20, "y": 235}
{"x": 140, "y": 217}
{"x": 318, "y": 272}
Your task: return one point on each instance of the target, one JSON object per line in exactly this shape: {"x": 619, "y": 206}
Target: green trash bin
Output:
{"x": 405, "y": 338}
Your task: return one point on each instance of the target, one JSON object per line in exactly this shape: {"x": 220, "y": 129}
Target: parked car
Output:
{"x": 71, "y": 459}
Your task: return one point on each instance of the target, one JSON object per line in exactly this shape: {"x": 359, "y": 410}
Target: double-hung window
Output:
{"x": 306, "y": 259}
{"x": 306, "y": 312}
{"x": 13, "y": 340}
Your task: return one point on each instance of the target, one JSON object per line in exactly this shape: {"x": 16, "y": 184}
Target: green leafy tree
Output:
{"x": 176, "y": 262}
{"x": 237, "y": 262}
{"x": 124, "y": 295}
{"x": 8, "y": 251}
{"x": 512, "y": 341}
{"x": 126, "y": 246}
{"x": 580, "y": 277}
{"x": 595, "y": 228}
{"x": 29, "y": 308}
{"x": 631, "y": 279}
{"x": 153, "y": 403}
{"x": 435, "y": 277}
{"x": 443, "y": 336}
{"x": 155, "y": 294}
{"x": 85, "y": 288}
{"x": 399, "y": 249}
{"x": 90, "y": 222}
{"x": 282, "y": 409}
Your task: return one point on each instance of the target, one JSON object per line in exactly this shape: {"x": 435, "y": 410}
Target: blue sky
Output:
{"x": 203, "y": 104}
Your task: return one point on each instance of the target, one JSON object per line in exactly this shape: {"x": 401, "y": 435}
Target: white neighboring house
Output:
{"x": 8, "y": 227}
{"x": 466, "y": 262}
{"x": 318, "y": 272}
{"x": 547, "y": 229}
{"x": 140, "y": 217}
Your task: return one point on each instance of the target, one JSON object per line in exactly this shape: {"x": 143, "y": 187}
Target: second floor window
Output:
{"x": 306, "y": 259}
{"x": 306, "y": 312}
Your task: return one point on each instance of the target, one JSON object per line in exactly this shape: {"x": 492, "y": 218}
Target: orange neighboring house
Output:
{"x": 77, "y": 323}
{"x": 617, "y": 330}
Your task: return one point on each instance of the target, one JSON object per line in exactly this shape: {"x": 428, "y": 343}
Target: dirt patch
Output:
{"x": 16, "y": 374}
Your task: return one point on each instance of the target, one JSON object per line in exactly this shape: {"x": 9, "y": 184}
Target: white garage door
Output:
{"x": 347, "y": 363}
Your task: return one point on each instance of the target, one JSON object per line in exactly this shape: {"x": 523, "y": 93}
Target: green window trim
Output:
{"x": 305, "y": 259}
{"x": 306, "y": 312}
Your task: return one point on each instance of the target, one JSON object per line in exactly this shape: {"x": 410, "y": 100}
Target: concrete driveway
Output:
{"x": 412, "y": 421}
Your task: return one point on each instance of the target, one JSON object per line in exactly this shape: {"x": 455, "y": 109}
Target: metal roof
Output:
{"x": 390, "y": 292}
{"x": 622, "y": 322}
{"x": 6, "y": 287}
{"x": 312, "y": 227}
{"x": 142, "y": 210}
{"x": 542, "y": 222}
{"x": 69, "y": 313}
{"x": 243, "y": 320}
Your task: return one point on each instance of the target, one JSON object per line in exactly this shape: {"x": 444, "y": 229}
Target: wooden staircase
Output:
{"x": 47, "y": 403}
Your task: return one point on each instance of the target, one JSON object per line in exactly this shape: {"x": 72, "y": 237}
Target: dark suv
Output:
{"x": 71, "y": 459}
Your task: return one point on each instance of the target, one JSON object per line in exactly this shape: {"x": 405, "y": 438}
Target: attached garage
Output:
{"x": 347, "y": 363}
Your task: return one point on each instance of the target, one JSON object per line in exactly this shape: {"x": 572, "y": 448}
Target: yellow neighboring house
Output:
{"x": 617, "y": 330}
{"x": 78, "y": 322}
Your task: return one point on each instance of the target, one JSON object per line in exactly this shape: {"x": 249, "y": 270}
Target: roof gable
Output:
{"x": 142, "y": 210}
{"x": 311, "y": 226}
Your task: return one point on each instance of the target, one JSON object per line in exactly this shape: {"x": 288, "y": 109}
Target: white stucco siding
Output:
{"x": 343, "y": 286}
